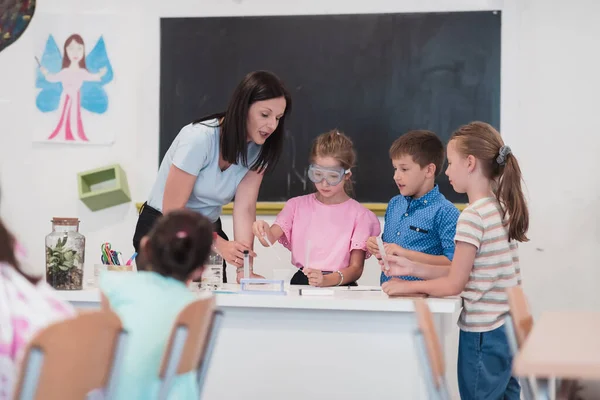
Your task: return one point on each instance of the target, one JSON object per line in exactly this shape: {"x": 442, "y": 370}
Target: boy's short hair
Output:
{"x": 425, "y": 148}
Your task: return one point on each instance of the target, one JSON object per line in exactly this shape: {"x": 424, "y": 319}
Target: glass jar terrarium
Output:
{"x": 65, "y": 248}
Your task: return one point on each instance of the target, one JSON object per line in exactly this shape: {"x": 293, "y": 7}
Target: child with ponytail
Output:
{"x": 486, "y": 260}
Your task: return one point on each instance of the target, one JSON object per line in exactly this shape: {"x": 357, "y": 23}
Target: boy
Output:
{"x": 420, "y": 223}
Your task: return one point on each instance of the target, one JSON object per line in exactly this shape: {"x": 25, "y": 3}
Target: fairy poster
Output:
{"x": 73, "y": 80}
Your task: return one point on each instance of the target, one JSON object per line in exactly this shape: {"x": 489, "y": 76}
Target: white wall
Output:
{"x": 549, "y": 99}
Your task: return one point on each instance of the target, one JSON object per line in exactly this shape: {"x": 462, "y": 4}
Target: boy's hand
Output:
{"x": 315, "y": 277}
{"x": 399, "y": 266}
{"x": 260, "y": 229}
{"x": 394, "y": 249}
{"x": 372, "y": 247}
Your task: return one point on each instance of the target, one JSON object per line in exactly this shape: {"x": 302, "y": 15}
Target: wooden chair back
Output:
{"x": 77, "y": 356}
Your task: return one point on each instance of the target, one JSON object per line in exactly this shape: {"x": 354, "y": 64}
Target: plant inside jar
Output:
{"x": 62, "y": 271}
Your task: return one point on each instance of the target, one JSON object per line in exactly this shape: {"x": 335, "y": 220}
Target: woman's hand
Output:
{"x": 233, "y": 252}
{"x": 261, "y": 229}
{"x": 240, "y": 275}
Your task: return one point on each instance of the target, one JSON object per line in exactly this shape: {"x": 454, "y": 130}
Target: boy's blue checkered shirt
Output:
{"x": 426, "y": 225}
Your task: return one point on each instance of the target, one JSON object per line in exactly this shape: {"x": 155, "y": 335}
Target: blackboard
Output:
{"x": 373, "y": 76}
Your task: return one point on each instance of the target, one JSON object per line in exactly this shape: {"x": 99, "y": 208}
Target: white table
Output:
{"x": 351, "y": 345}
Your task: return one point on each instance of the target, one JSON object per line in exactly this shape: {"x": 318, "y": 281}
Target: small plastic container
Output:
{"x": 98, "y": 269}
{"x": 212, "y": 276}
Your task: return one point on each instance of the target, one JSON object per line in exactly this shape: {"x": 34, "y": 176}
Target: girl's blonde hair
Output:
{"x": 336, "y": 145}
{"x": 484, "y": 142}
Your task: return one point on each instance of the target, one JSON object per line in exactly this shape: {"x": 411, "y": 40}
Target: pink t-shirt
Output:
{"x": 25, "y": 309}
{"x": 333, "y": 231}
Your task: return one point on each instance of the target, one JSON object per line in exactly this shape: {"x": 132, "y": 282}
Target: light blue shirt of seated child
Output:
{"x": 147, "y": 304}
{"x": 196, "y": 150}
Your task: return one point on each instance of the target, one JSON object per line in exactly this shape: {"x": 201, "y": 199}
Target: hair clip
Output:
{"x": 502, "y": 154}
{"x": 181, "y": 234}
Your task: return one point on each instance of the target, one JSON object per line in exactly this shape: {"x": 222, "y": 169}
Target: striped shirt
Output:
{"x": 495, "y": 269}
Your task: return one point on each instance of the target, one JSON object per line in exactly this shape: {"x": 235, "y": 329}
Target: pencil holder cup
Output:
{"x": 120, "y": 268}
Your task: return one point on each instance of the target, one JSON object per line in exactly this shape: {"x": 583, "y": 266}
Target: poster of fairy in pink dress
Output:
{"x": 71, "y": 82}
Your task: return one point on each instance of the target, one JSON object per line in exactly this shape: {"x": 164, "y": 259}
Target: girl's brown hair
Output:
{"x": 336, "y": 145}
{"x": 7, "y": 253}
{"x": 66, "y": 62}
{"x": 484, "y": 142}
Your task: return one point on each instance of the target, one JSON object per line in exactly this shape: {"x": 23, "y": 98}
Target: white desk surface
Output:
{"x": 361, "y": 298}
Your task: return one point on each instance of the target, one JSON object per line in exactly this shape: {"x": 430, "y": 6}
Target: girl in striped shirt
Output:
{"x": 485, "y": 261}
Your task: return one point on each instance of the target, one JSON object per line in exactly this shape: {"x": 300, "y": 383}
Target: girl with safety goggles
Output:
{"x": 326, "y": 231}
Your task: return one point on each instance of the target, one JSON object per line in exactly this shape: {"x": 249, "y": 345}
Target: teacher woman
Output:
{"x": 221, "y": 156}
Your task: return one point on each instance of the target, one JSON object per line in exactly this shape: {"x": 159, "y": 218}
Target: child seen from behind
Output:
{"x": 148, "y": 302}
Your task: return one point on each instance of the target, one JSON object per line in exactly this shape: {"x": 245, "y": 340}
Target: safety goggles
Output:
{"x": 333, "y": 176}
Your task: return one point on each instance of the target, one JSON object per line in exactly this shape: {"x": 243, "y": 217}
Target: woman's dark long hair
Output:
{"x": 256, "y": 86}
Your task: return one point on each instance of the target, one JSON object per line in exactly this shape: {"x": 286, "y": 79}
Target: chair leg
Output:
{"x": 208, "y": 350}
{"x": 426, "y": 367}
{"x": 510, "y": 335}
{"x": 444, "y": 394}
{"x": 543, "y": 389}
{"x": 117, "y": 362}
{"x": 514, "y": 349}
{"x": 567, "y": 389}
{"x": 32, "y": 372}
{"x": 174, "y": 358}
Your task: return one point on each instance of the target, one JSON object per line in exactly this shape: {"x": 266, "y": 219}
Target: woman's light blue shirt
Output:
{"x": 195, "y": 150}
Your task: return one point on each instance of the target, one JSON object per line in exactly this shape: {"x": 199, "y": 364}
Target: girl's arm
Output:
{"x": 95, "y": 77}
{"x": 400, "y": 266}
{"x": 281, "y": 227}
{"x": 261, "y": 229}
{"x": 51, "y": 77}
{"x": 441, "y": 285}
{"x": 417, "y": 256}
{"x": 351, "y": 274}
{"x": 274, "y": 233}
{"x": 428, "y": 258}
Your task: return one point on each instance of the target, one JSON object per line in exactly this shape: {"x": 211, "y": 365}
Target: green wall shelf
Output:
{"x": 103, "y": 187}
